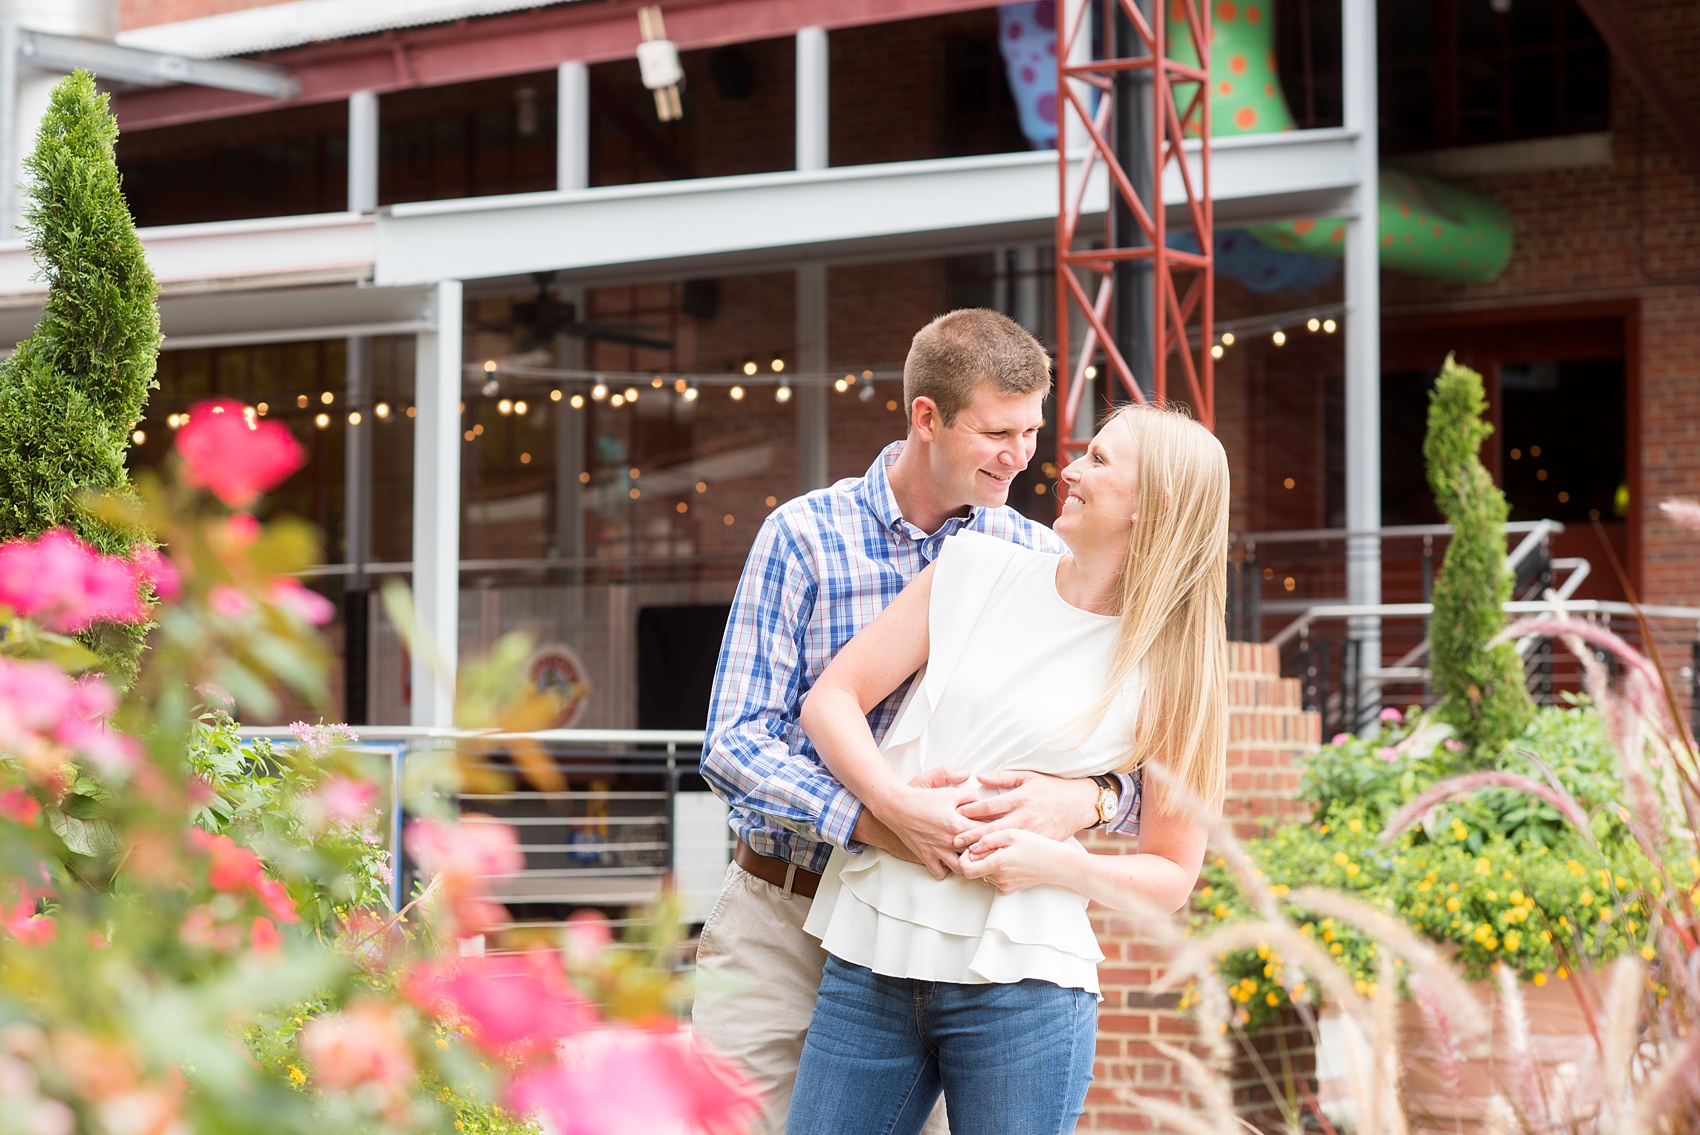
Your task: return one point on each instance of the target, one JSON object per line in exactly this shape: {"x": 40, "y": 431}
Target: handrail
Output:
{"x": 1319, "y": 535}
{"x": 672, "y": 737}
{"x": 1514, "y": 607}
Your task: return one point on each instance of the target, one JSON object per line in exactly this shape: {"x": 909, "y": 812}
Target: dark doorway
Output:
{"x": 677, "y": 650}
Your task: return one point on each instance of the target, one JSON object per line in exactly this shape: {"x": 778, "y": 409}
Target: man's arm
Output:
{"x": 755, "y": 756}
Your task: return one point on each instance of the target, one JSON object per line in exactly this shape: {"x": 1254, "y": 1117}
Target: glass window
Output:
{"x": 282, "y": 163}
{"x": 468, "y": 140}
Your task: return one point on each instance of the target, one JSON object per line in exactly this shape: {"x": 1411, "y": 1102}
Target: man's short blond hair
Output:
{"x": 958, "y": 351}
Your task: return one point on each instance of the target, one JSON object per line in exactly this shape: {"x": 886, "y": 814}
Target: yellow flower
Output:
{"x": 1492, "y": 896}
{"x": 1280, "y": 890}
{"x": 1263, "y": 949}
{"x": 1342, "y": 858}
{"x": 296, "y": 1076}
{"x": 1206, "y": 892}
{"x": 1512, "y": 940}
{"x": 1605, "y": 914}
{"x": 1424, "y": 885}
{"x": 1622, "y": 883}
{"x": 1355, "y": 825}
{"x": 1220, "y": 911}
{"x": 442, "y": 1042}
{"x": 1336, "y": 949}
{"x": 1352, "y": 869}
{"x": 1587, "y": 898}
{"x": 1563, "y": 973}
{"x": 1298, "y": 990}
{"x": 1540, "y": 979}
{"x": 1573, "y": 867}
{"x": 1516, "y": 897}
{"x": 1649, "y": 953}
{"x": 1452, "y": 903}
{"x": 1361, "y": 986}
{"x": 1271, "y": 999}
{"x": 1483, "y": 867}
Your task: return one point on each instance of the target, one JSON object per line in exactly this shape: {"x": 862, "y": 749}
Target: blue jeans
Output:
{"x": 1010, "y": 1059}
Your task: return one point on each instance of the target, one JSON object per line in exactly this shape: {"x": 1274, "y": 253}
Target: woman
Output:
{"x": 983, "y": 984}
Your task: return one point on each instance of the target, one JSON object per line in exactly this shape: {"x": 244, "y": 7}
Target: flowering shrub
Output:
{"x": 1498, "y": 876}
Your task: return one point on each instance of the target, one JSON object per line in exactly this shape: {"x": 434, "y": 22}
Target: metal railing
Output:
{"x": 631, "y": 814}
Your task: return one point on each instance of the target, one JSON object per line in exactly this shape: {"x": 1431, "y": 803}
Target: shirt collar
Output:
{"x": 878, "y": 498}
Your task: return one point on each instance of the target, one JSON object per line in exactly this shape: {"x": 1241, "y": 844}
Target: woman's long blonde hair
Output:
{"x": 1173, "y": 594}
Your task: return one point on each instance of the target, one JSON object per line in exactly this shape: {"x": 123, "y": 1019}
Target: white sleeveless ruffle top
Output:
{"x": 1012, "y": 675}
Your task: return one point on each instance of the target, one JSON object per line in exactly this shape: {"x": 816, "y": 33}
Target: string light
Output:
{"x": 504, "y": 407}
{"x": 1091, "y": 372}
{"x": 1328, "y": 325}
{"x": 301, "y": 401}
{"x": 1313, "y": 324}
{"x": 777, "y": 365}
{"x": 690, "y": 394}
{"x": 750, "y": 367}
{"x": 478, "y": 431}
{"x": 584, "y": 478}
{"x": 631, "y": 394}
{"x": 412, "y": 412}
{"x": 891, "y": 404}
{"x": 327, "y": 397}
{"x": 842, "y": 384}
{"x": 354, "y": 417}
{"x": 680, "y": 386}
{"x": 323, "y": 421}
{"x": 262, "y": 408}
{"x": 727, "y": 520}
{"x": 702, "y": 486}
{"x": 382, "y": 409}
{"x": 634, "y": 472}
{"x": 1280, "y": 337}
{"x": 782, "y": 394}
{"x": 633, "y": 493}
{"x": 577, "y": 402}
{"x": 520, "y": 407}
{"x": 139, "y": 437}
{"x": 599, "y": 392}
{"x": 771, "y": 501}
{"x": 1216, "y": 351}
{"x": 656, "y": 382}
{"x": 617, "y": 401}
{"x": 1227, "y": 338}
{"x": 737, "y": 393}
{"x": 489, "y": 388}
{"x": 525, "y": 459}
{"x": 867, "y": 374}
{"x": 489, "y": 366}
{"x": 681, "y": 508}
{"x": 555, "y": 395}
{"x": 469, "y": 435}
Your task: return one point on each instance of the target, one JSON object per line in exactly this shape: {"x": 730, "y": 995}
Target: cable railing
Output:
{"x": 631, "y": 816}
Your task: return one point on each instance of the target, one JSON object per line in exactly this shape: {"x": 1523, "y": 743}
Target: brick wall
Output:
{"x": 1267, "y": 732}
{"x": 1627, "y": 232}
{"x": 146, "y": 13}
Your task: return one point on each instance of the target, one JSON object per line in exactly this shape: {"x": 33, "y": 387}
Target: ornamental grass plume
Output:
{"x": 1481, "y": 686}
{"x": 73, "y": 390}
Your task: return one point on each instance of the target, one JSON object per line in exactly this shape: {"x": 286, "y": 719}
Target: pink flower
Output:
{"x": 158, "y": 571}
{"x": 510, "y": 1002}
{"x": 364, "y": 1044}
{"x": 47, "y": 717}
{"x": 1388, "y": 753}
{"x": 1340, "y": 738}
{"x": 1453, "y": 745}
{"x": 228, "y": 602}
{"x": 19, "y": 806}
{"x": 462, "y": 855}
{"x": 342, "y": 800}
{"x": 619, "y": 1080}
{"x": 321, "y": 739}
{"x": 67, "y": 585}
{"x": 24, "y": 924}
{"x": 263, "y": 936}
{"x": 237, "y": 458}
{"x": 1390, "y": 714}
{"x": 587, "y": 934}
{"x": 308, "y": 606}
{"x": 237, "y": 871}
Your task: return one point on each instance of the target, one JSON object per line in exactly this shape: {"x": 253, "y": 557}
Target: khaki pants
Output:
{"x": 757, "y": 976}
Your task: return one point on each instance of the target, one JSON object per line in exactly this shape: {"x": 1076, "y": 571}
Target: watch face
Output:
{"x": 1107, "y": 800}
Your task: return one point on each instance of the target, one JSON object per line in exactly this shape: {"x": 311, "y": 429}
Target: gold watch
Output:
{"x": 1109, "y": 799}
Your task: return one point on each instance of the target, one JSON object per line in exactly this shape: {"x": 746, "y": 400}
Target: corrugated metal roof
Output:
{"x": 308, "y": 21}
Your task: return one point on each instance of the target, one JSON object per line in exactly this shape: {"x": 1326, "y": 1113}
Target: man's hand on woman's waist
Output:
{"x": 1052, "y": 806}
{"x": 920, "y": 821}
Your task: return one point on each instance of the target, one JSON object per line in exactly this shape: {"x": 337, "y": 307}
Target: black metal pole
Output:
{"x": 1133, "y": 117}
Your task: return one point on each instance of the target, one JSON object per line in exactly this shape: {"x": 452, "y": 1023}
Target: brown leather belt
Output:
{"x": 788, "y": 877}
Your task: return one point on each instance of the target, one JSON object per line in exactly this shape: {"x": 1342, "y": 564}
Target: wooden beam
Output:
{"x": 491, "y": 47}
{"x": 1635, "y": 53}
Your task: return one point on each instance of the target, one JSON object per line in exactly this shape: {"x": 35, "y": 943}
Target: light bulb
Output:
{"x": 599, "y": 392}
{"x": 382, "y": 409}
{"x": 1313, "y": 324}
{"x": 631, "y": 394}
{"x": 777, "y": 365}
{"x": 1328, "y": 325}
{"x": 783, "y": 394}
{"x": 354, "y": 417}
{"x": 1216, "y": 351}
{"x": 841, "y": 385}
{"x": 617, "y": 401}
{"x": 323, "y": 421}
{"x": 520, "y": 407}
{"x": 737, "y": 393}
{"x": 1280, "y": 337}
{"x": 555, "y": 395}
{"x": 139, "y": 437}
{"x": 656, "y": 382}
{"x": 504, "y": 407}
{"x": 577, "y": 402}
{"x": 690, "y": 394}
{"x": 489, "y": 366}
{"x": 1091, "y": 372}
{"x": 1227, "y": 338}
{"x": 750, "y": 367}
{"x": 327, "y": 398}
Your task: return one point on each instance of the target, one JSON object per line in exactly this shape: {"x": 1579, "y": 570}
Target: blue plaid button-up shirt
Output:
{"x": 823, "y": 567}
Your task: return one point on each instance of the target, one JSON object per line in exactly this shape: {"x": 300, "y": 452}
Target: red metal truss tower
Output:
{"x": 1182, "y": 280}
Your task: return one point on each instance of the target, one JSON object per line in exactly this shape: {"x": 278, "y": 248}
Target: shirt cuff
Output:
{"x": 1126, "y": 819}
{"x": 838, "y": 819}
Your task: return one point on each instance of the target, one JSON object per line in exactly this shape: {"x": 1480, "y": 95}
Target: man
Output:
{"x": 823, "y": 566}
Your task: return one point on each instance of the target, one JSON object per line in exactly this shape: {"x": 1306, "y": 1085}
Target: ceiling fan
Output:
{"x": 540, "y": 319}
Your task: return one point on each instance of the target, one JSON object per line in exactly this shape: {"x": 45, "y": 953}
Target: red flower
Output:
{"x": 236, "y": 870}
{"x": 19, "y": 806}
{"x": 233, "y": 455}
{"x": 24, "y": 924}
{"x": 263, "y": 936}
{"x": 621, "y": 1080}
{"x": 513, "y": 1001}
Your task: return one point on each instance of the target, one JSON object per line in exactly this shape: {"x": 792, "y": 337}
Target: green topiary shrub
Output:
{"x": 74, "y": 389}
{"x": 1481, "y": 689}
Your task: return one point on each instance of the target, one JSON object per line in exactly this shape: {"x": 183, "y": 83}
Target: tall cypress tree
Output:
{"x": 1482, "y": 690}
{"x": 73, "y": 391}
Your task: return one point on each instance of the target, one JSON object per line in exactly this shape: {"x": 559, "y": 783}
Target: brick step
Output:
{"x": 1263, "y": 690}
{"x": 1255, "y": 658}
{"x": 1266, "y": 724}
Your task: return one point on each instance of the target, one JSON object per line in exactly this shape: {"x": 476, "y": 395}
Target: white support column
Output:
{"x": 1363, "y": 331}
{"x": 812, "y": 433}
{"x": 813, "y": 114}
{"x": 11, "y": 130}
{"x": 436, "y": 505}
{"x": 362, "y": 152}
{"x": 572, "y": 126}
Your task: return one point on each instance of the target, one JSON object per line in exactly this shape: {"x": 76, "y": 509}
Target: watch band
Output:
{"x": 1110, "y": 782}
